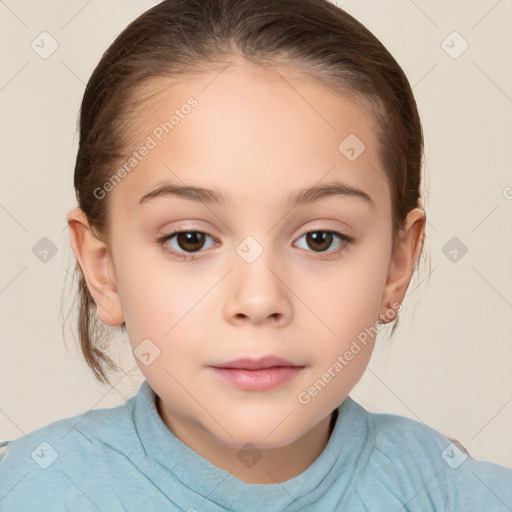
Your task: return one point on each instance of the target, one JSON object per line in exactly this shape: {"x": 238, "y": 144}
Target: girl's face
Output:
{"x": 258, "y": 285}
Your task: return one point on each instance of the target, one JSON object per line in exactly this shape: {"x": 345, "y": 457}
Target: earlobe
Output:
{"x": 97, "y": 265}
{"x": 403, "y": 260}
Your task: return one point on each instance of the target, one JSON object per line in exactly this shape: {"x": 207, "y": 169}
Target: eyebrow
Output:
{"x": 297, "y": 198}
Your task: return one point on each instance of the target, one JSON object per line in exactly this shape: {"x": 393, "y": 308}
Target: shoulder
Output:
{"x": 76, "y": 433}
{"x": 411, "y": 437}
{"x": 416, "y": 460}
{"x": 50, "y": 456}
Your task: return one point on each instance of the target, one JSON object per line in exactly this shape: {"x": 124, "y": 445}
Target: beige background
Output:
{"x": 449, "y": 364}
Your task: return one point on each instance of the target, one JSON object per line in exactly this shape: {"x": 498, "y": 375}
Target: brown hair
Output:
{"x": 177, "y": 38}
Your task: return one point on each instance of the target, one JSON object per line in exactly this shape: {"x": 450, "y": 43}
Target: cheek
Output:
{"x": 161, "y": 303}
{"x": 347, "y": 301}
{"x": 348, "y": 298}
{"x": 146, "y": 296}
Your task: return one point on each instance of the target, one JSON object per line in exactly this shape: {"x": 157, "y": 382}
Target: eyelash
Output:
{"x": 161, "y": 241}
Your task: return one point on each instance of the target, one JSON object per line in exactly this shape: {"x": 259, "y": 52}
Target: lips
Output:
{"x": 263, "y": 374}
{"x": 248, "y": 363}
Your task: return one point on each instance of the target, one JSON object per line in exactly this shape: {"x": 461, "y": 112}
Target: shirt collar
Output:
{"x": 335, "y": 466}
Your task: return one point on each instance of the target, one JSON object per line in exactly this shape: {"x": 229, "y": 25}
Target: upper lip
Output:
{"x": 248, "y": 363}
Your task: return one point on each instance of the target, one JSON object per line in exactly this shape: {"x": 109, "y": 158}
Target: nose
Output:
{"x": 257, "y": 294}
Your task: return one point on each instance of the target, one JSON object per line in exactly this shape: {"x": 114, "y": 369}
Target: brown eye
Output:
{"x": 185, "y": 244}
{"x": 319, "y": 240}
{"x": 190, "y": 241}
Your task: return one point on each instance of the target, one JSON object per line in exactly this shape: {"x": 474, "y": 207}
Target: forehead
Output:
{"x": 252, "y": 131}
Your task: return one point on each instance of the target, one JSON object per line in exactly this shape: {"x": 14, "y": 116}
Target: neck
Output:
{"x": 255, "y": 466}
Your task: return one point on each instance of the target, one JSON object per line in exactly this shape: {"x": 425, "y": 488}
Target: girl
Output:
{"x": 248, "y": 184}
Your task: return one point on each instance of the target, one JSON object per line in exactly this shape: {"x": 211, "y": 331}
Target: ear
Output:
{"x": 404, "y": 256}
{"x": 98, "y": 268}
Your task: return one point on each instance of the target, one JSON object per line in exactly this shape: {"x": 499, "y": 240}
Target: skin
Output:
{"x": 257, "y": 135}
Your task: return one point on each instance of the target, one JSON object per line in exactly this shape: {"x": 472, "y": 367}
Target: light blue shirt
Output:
{"x": 126, "y": 459}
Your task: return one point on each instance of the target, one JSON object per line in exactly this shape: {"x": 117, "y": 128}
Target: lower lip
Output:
{"x": 258, "y": 380}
